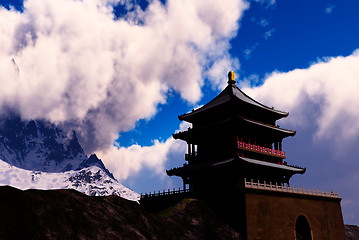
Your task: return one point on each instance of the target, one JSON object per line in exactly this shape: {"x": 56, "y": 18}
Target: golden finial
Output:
{"x": 231, "y": 78}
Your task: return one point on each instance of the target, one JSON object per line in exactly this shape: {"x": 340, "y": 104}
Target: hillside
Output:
{"x": 352, "y": 232}
{"x": 68, "y": 214}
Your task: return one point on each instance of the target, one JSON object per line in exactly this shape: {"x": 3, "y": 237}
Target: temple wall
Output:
{"x": 273, "y": 215}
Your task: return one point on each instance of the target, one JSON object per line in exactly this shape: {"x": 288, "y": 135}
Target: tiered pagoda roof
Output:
{"x": 184, "y": 135}
{"x": 234, "y": 116}
{"x": 232, "y": 94}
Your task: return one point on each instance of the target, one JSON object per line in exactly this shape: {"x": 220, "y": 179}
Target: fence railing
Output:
{"x": 283, "y": 188}
{"x": 164, "y": 193}
{"x": 257, "y": 148}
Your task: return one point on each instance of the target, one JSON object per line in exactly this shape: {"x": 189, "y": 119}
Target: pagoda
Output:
{"x": 233, "y": 138}
{"x": 235, "y": 162}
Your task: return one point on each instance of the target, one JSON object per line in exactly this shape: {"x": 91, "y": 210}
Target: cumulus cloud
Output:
{"x": 76, "y": 64}
{"x": 123, "y": 162}
{"x": 325, "y": 94}
{"x": 219, "y": 70}
{"x": 323, "y": 102}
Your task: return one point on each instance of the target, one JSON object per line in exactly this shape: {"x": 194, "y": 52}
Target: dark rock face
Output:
{"x": 193, "y": 219}
{"x": 68, "y": 214}
{"x": 352, "y": 232}
{"x": 39, "y": 146}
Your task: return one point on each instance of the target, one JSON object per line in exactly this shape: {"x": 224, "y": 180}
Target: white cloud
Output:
{"x": 217, "y": 74}
{"x": 325, "y": 94}
{"x": 80, "y": 67}
{"x": 323, "y": 103}
{"x": 248, "y": 52}
{"x": 266, "y": 3}
{"x": 124, "y": 162}
{"x": 329, "y": 9}
{"x": 268, "y": 34}
{"x": 263, "y": 22}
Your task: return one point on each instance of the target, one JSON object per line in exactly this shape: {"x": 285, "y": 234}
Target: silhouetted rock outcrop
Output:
{"x": 68, "y": 214}
{"x": 352, "y": 232}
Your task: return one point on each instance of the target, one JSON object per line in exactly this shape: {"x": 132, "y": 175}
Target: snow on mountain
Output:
{"x": 37, "y": 154}
{"x": 92, "y": 181}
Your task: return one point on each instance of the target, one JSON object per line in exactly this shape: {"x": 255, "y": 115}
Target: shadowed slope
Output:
{"x": 352, "y": 232}
{"x": 68, "y": 214}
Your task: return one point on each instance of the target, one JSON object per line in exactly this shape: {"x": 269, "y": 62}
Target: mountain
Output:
{"x": 37, "y": 154}
{"x": 39, "y": 146}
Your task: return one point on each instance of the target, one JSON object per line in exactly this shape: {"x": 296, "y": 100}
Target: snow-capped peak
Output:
{"x": 39, "y": 146}
{"x": 38, "y": 154}
{"x": 92, "y": 181}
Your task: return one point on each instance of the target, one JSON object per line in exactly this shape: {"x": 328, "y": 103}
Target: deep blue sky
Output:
{"x": 273, "y": 36}
{"x": 302, "y": 33}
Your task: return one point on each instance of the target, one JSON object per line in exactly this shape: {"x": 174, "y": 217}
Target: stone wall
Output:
{"x": 274, "y": 215}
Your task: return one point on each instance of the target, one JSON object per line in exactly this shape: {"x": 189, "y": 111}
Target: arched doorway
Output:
{"x": 302, "y": 229}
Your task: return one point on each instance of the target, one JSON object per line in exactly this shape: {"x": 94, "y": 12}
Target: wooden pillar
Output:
{"x": 280, "y": 146}
{"x": 189, "y": 149}
{"x": 193, "y": 149}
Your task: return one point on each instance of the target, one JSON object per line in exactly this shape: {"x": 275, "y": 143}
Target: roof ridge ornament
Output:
{"x": 231, "y": 78}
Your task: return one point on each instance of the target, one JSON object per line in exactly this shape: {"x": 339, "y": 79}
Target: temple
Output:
{"x": 232, "y": 138}
{"x": 235, "y": 163}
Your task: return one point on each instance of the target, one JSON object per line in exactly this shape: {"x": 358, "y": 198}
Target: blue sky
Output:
{"x": 298, "y": 56}
{"x": 300, "y": 33}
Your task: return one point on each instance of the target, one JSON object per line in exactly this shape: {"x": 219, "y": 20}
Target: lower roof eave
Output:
{"x": 188, "y": 169}
{"x": 294, "y": 169}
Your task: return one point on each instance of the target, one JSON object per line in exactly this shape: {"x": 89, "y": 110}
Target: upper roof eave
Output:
{"x": 229, "y": 93}
{"x": 240, "y": 94}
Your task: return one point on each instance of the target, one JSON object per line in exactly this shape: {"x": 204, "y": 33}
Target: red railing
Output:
{"x": 256, "y": 148}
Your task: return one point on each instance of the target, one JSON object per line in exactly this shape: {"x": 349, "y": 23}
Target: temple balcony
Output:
{"x": 260, "y": 149}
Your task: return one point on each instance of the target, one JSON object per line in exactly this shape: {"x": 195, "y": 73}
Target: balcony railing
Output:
{"x": 164, "y": 193}
{"x": 282, "y": 188}
{"x": 256, "y": 148}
